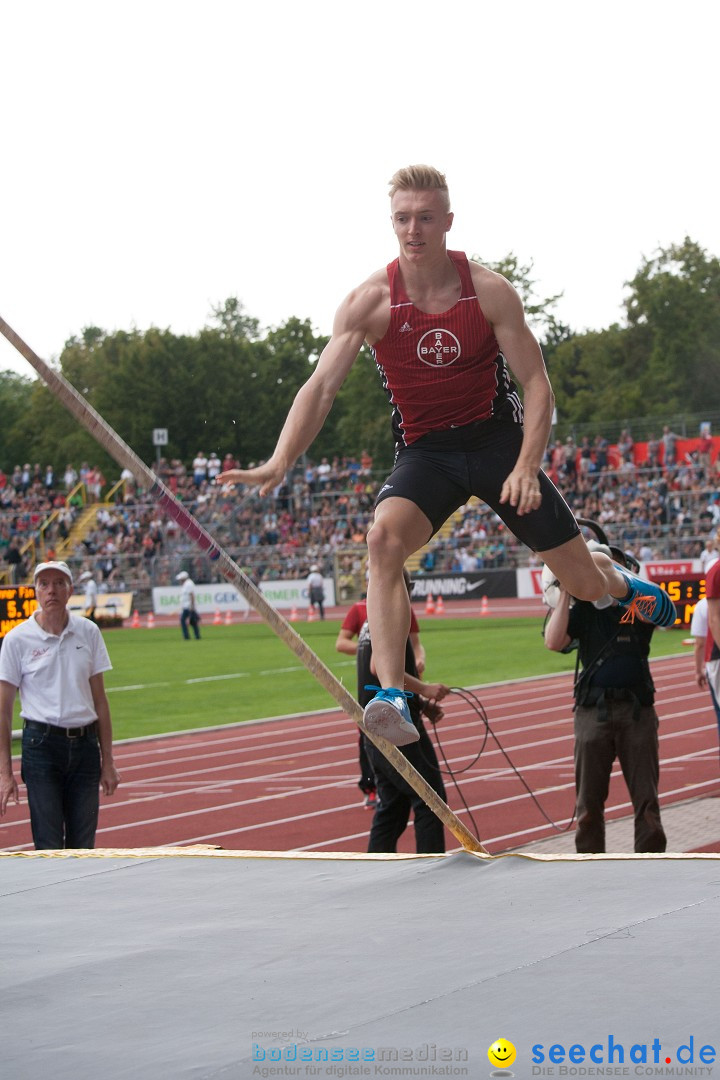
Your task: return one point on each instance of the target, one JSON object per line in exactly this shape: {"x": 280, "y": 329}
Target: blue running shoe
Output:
{"x": 646, "y": 600}
{"x": 388, "y": 715}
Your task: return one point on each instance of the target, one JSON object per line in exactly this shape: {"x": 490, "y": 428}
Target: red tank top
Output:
{"x": 441, "y": 371}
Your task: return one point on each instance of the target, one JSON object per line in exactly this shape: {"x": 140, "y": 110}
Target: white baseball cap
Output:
{"x": 182, "y": 575}
{"x": 61, "y": 566}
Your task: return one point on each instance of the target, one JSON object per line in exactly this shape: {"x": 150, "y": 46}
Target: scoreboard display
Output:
{"x": 17, "y": 603}
{"x": 684, "y": 590}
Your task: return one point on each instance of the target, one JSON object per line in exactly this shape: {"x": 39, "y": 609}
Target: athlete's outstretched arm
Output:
{"x": 314, "y": 399}
{"x": 503, "y": 308}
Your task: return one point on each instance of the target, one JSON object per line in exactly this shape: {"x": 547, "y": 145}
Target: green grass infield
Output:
{"x": 161, "y": 683}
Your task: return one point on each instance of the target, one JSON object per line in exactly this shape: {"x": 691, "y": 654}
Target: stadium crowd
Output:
{"x": 651, "y": 500}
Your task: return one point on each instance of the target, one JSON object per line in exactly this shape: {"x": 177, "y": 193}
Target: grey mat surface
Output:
{"x": 228, "y": 968}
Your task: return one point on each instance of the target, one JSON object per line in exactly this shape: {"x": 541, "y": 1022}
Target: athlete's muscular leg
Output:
{"x": 584, "y": 574}
{"x": 398, "y": 530}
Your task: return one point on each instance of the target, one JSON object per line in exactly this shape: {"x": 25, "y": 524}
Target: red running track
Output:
{"x": 290, "y": 783}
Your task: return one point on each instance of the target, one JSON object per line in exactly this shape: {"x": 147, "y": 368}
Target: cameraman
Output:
{"x": 614, "y": 713}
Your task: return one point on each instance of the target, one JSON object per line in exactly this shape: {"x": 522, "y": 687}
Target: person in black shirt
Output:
{"x": 395, "y": 797}
{"x": 615, "y": 715}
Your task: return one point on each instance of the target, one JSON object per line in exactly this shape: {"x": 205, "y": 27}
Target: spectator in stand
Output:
{"x": 70, "y": 477}
{"x": 587, "y": 464}
{"x": 653, "y": 453}
{"x": 128, "y": 482}
{"x": 712, "y": 510}
{"x": 25, "y": 478}
{"x": 626, "y": 446}
{"x": 710, "y": 552}
{"x": 213, "y": 466}
{"x": 324, "y": 470}
{"x": 705, "y": 449}
{"x": 669, "y": 445}
{"x": 366, "y": 463}
{"x": 309, "y": 476}
{"x": 570, "y": 458}
{"x": 646, "y": 554}
{"x": 428, "y": 560}
{"x": 557, "y": 460}
{"x": 200, "y": 466}
{"x": 601, "y": 453}
{"x": 94, "y": 482}
{"x": 15, "y": 561}
{"x": 468, "y": 561}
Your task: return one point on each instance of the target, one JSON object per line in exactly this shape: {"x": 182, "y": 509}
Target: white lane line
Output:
{"x": 218, "y": 678}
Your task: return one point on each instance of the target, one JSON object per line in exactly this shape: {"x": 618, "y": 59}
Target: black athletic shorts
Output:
{"x": 440, "y": 471}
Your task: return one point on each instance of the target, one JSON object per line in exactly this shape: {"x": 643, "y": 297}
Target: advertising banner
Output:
{"x": 465, "y": 586}
{"x": 221, "y": 596}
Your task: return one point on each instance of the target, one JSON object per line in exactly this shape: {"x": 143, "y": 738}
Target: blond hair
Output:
{"x": 420, "y": 178}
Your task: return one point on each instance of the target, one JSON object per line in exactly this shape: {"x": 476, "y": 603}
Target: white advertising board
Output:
{"x": 221, "y": 596}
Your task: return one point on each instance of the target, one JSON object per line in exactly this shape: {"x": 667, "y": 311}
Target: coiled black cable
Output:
{"x": 477, "y": 706}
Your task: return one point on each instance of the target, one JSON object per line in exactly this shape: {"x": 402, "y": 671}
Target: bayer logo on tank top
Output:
{"x": 438, "y": 348}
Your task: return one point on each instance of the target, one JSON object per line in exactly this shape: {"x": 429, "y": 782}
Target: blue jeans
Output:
{"x": 62, "y": 776}
{"x": 192, "y": 617}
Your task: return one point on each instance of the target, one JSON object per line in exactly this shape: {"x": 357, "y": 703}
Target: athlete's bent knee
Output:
{"x": 385, "y": 545}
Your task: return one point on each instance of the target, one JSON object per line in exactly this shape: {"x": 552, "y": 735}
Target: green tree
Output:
{"x": 541, "y": 318}
{"x": 673, "y": 315}
{"x": 232, "y": 321}
{"x": 56, "y": 437}
{"x": 362, "y": 414}
{"x": 665, "y": 359}
{"x": 18, "y": 419}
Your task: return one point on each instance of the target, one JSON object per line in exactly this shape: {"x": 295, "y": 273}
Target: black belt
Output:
{"x": 69, "y": 732}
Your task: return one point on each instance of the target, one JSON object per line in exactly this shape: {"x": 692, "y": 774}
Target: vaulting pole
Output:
{"x": 84, "y": 413}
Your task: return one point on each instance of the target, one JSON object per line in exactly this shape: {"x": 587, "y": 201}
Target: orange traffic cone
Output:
{"x": 429, "y": 605}
{"x": 294, "y": 614}
{"x": 439, "y": 606}
{"x": 228, "y": 617}
{"x": 217, "y": 620}
{"x": 151, "y": 621}
{"x": 135, "y": 624}
{"x": 312, "y": 614}
{"x": 484, "y": 606}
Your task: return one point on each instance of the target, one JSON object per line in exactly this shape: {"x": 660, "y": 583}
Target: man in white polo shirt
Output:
{"x": 91, "y": 594}
{"x": 188, "y": 610}
{"x": 56, "y": 660}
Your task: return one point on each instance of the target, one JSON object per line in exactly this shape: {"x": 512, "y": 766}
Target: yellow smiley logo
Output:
{"x": 502, "y": 1053}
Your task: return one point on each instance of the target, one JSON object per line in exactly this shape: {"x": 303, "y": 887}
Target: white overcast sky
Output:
{"x": 158, "y": 157}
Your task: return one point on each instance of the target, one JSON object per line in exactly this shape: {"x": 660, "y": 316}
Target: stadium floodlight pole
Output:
{"x": 90, "y": 419}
